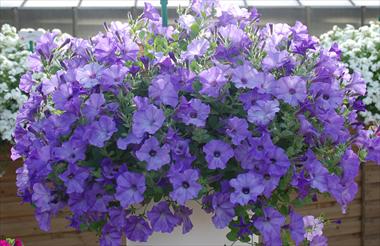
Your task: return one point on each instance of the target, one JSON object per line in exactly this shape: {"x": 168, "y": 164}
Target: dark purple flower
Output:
{"x": 130, "y": 188}
{"x": 318, "y": 173}
{"x": 223, "y": 209}
{"x": 137, "y": 229}
{"x": 185, "y": 186}
{"x": 78, "y": 203}
{"x": 212, "y": 79}
{"x": 71, "y": 151}
{"x": 183, "y": 80}
{"x": 247, "y": 187}
{"x": 296, "y": 227}
{"x": 74, "y": 178}
{"x": 101, "y": 130}
{"x": 155, "y": 155}
{"x": 162, "y": 91}
{"x": 291, "y": 89}
{"x": 147, "y": 119}
{"x": 218, "y": 153}
{"x": 270, "y": 225}
{"x": 183, "y": 214}
{"x": 263, "y": 112}
{"x": 193, "y": 112}
{"x": 46, "y": 45}
{"x": 111, "y": 236}
{"x": 237, "y": 130}
{"x": 162, "y": 219}
{"x": 251, "y": 97}
{"x": 97, "y": 198}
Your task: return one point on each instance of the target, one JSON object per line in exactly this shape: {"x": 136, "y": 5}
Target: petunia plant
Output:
{"x": 251, "y": 122}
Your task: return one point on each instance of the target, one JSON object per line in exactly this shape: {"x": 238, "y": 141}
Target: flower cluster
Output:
{"x": 13, "y": 55}
{"x": 129, "y": 126}
{"x": 360, "y": 51}
{"x": 11, "y": 242}
{"x": 14, "y": 61}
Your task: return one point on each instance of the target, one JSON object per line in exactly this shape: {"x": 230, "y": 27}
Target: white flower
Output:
{"x": 361, "y": 52}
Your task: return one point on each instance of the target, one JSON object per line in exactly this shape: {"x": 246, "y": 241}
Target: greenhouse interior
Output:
{"x": 189, "y": 122}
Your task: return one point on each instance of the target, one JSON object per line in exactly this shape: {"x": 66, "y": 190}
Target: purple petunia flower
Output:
{"x": 130, "y": 188}
{"x": 251, "y": 97}
{"x": 313, "y": 227}
{"x": 374, "y": 150}
{"x": 223, "y": 209}
{"x": 162, "y": 91}
{"x": 154, "y": 155}
{"x": 319, "y": 241}
{"x": 218, "y": 153}
{"x": 101, "y": 130}
{"x": 270, "y": 225}
{"x": 97, "y": 198}
{"x": 291, "y": 89}
{"x": 89, "y": 75}
{"x": 185, "y": 186}
{"x": 193, "y": 112}
{"x": 247, "y": 187}
{"x": 237, "y": 130}
{"x": 147, "y": 119}
{"x": 212, "y": 81}
{"x": 161, "y": 218}
{"x": 137, "y": 229}
{"x": 74, "y": 178}
{"x": 41, "y": 197}
{"x": 110, "y": 236}
{"x": 196, "y": 48}
{"x": 93, "y": 105}
{"x": 71, "y": 151}
{"x": 263, "y": 112}
{"x": 183, "y": 214}
{"x": 26, "y": 82}
{"x": 245, "y": 76}
{"x": 296, "y": 227}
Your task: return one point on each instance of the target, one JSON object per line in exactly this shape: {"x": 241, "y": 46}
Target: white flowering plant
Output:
{"x": 361, "y": 53}
{"x": 13, "y": 56}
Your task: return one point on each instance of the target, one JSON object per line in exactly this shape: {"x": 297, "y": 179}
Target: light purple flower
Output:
{"x": 162, "y": 91}
{"x": 291, "y": 89}
{"x": 247, "y": 187}
{"x": 196, "y": 48}
{"x": 217, "y": 154}
{"x": 162, "y": 219}
{"x": 313, "y": 227}
{"x": 193, "y": 112}
{"x": 89, "y": 75}
{"x": 101, "y": 130}
{"x": 185, "y": 186}
{"x": 237, "y": 130}
{"x": 263, "y": 112}
{"x": 212, "y": 79}
{"x": 74, "y": 178}
{"x": 154, "y": 155}
{"x": 41, "y": 197}
{"x": 245, "y": 76}
{"x": 296, "y": 227}
{"x": 147, "y": 119}
{"x": 223, "y": 209}
{"x": 270, "y": 225}
{"x": 130, "y": 188}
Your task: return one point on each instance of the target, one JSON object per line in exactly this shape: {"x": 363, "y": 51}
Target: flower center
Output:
{"x": 152, "y": 152}
{"x": 326, "y": 97}
{"x": 267, "y": 176}
{"x": 245, "y": 190}
{"x": 292, "y": 91}
{"x": 71, "y": 176}
{"x": 244, "y": 80}
{"x": 193, "y": 115}
{"x": 185, "y": 184}
{"x": 217, "y": 154}
{"x": 260, "y": 148}
{"x": 272, "y": 160}
{"x": 98, "y": 196}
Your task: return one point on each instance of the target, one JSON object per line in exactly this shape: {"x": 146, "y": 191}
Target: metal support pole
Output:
{"x": 307, "y": 16}
{"x": 74, "y": 21}
{"x": 362, "y": 15}
{"x": 16, "y": 18}
{"x": 164, "y": 12}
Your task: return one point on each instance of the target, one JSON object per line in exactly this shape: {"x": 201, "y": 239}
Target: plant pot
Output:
{"x": 203, "y": 233}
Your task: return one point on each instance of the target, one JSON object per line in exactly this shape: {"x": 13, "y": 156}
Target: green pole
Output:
{"x": 31, "y": 46}
{"x": 164, "y": 12}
